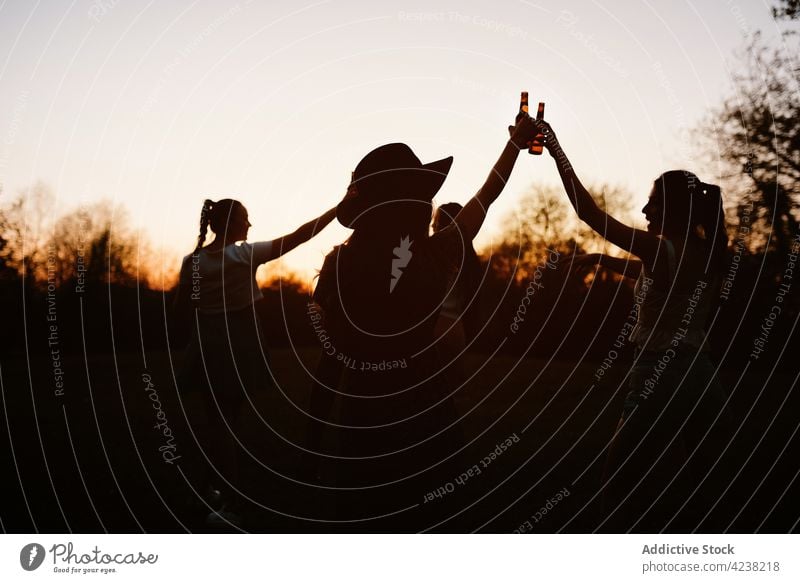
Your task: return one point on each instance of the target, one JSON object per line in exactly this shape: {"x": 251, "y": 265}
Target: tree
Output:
{"x": 788, "y": 9}
{"x": 24, "y": 229}
{"x": 545, "y": 220}
{"x": 7, "y": 271}
{"x": 754, "y": 138}
{"x": 95, "y": 243}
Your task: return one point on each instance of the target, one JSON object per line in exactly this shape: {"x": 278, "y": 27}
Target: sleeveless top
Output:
{"x": 672, "y": 314}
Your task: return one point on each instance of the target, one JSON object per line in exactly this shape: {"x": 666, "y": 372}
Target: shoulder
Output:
{"x": 448, "y": 244}
{"x": 188, "y": 263}
{"x": 255, "y": 253}
{"x": 243, "y": 249}
{"x": 446, "y": 236}
{"x": 187, "y": 260}
{"x": 240, "y": 252}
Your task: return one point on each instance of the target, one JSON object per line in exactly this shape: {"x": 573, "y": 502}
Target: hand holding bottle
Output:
{"x": 523, "y": 133}
{"x": 535, "y": 145}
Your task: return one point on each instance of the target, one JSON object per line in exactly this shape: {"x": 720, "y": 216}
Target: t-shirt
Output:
{"x": 224, "y": 280}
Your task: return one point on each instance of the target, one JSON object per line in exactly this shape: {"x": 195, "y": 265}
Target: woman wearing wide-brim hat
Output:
{"x": 380, "y": 293}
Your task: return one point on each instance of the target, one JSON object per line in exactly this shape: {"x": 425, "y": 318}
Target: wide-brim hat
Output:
{"x": 390, "y": 174}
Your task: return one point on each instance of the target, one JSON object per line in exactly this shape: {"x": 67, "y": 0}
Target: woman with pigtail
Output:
{"x": 226, "y": 356}
{"x": 674, "y": 419}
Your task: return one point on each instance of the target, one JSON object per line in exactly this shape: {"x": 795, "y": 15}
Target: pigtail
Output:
{"x": 205, "y": 219}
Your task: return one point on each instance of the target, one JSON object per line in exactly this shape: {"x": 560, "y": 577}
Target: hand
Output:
{"x": 547, "y": 137}
{"x": 523, "y": 133}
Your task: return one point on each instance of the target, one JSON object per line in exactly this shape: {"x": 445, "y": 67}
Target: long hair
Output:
{"x": 695, "y": 207}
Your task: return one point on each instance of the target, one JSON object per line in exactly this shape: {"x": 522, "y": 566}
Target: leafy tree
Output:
{"x": 24, "y": 229}
{"x": 754, "y": 138}
{"x": 787, "y": 9}
{"x": 97, "y": 243}
{"x": 94, "y": 241}
{"x": 545, "y": 220}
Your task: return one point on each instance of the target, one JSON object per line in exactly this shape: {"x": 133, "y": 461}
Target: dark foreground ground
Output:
{"x": 88, "y": 460}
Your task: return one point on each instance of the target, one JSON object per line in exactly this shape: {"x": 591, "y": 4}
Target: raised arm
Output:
{"x": 640, "y": 243}
{"x": 284, "y": 244}
{"x": 471, "y": 217}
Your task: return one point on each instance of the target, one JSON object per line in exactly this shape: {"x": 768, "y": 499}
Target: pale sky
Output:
{"x": 158, "y": 105}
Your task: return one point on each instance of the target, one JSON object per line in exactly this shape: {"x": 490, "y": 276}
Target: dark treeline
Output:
{"x": 535, "y": 305}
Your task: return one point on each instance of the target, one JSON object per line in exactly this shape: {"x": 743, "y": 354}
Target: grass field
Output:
{"x": 88, "y": 460}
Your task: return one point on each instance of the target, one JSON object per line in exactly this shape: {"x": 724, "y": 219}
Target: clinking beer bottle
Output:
{"x": 523, "y": 103}
{"x": 537, "y": 148}
{"x": 523, "y": 108}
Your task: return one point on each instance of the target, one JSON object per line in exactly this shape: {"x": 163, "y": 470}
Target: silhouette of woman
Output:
{"x": 675, "y": 399}
{"x": 462, "y": 284}
{"x": 381, "y": 293}
{"x": 226, "y": 354}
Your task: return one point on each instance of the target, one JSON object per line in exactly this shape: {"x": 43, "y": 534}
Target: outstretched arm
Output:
{"x": 284, "y": 244}
{"x": 626, "y": 267}
{"x": 471, "y": 217}
{"x": 641, "y": 243}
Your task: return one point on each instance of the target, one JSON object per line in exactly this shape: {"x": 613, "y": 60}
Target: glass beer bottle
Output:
{"x": 537, "y": 148}
{"x": 523, "y": 104}
{"x": 523, "y": 108}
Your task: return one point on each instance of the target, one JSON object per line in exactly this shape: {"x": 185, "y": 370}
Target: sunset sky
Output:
{"x": 158, "y": 105}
